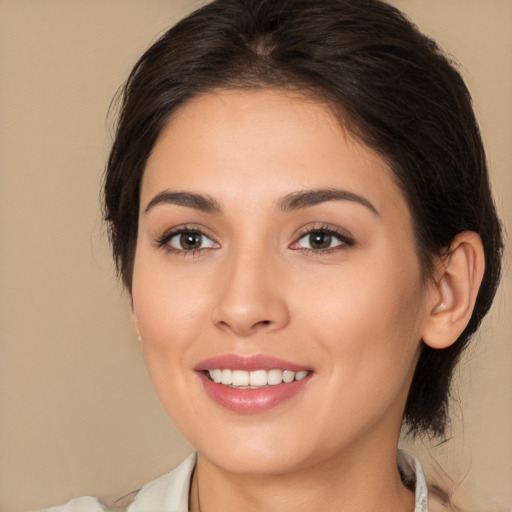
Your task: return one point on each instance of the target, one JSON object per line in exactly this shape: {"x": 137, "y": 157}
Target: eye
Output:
{"x": 188, "y": 240}
{"x": 322, "y": 239}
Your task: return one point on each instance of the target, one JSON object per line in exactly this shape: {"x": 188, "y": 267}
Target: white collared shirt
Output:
{"x": 170, "y": 492}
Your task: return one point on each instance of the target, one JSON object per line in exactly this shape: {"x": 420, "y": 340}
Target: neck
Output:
{"x": 357, "y": 482}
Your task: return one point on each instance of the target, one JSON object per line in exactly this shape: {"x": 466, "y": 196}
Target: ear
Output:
{"x": 454, "y": 290}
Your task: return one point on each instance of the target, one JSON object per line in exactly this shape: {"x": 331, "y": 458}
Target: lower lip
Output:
{"x": 250, "y": 401}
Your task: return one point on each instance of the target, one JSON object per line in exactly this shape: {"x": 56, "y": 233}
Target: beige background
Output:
{"x": 77, "y": 412}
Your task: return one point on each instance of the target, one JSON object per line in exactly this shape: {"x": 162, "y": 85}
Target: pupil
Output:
{"x": 190, "y": 240}
{"x": 319, "y": 240}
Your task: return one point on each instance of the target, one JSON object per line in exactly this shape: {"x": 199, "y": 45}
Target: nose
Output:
{"x": 251, "y": 295}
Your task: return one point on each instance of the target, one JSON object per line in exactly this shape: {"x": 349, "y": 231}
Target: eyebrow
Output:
{"x": 199, "y": 202}
{"x": 294, "y": 201}
{"x": 307, "y": 198}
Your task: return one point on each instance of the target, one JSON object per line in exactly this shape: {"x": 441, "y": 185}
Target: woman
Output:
{"x": 299, "y": 208}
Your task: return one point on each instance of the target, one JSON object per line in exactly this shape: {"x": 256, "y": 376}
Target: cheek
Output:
{"x": 167, "y": 322}
{"x": 169, "y": 312}
{"x": 370, "y": 331}
{"x": 369, "y": 318}
{"x": 165, "y": 302}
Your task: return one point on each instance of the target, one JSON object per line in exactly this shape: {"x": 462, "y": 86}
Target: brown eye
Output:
{"x": 320, "y": 240}
{"x": 190, "y": 241}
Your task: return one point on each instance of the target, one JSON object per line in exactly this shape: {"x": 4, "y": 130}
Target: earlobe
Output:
{"x": 454, "y": 291}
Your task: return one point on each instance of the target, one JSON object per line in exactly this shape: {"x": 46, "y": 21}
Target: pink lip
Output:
{"x": 250, "y": 401}
{"x": 248, "y": 363}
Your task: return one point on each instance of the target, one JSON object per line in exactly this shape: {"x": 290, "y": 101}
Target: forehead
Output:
{"x": 235, "y": 144}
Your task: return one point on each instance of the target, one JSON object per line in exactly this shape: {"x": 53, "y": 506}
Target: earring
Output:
{"x": 139, "y": 337}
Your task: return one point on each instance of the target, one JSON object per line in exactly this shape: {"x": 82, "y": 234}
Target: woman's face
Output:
{"x": 276, "y": 253}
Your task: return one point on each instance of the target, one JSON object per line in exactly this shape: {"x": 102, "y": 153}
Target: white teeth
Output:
{"x": 288, "y": 376}
{"x": 226, "y": 377}
{"x": 275, "y": 377}
{"x": 301, "y": 375}
{"x": 240, "y": 378}
{"x": 256, "y": 378}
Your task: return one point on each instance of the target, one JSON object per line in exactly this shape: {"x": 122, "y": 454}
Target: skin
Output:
{"x": 354, "y": 314}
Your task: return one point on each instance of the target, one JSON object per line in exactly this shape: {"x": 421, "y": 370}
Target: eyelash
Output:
{"x": 163, "y": 241}
{"x": 345, "y": 240}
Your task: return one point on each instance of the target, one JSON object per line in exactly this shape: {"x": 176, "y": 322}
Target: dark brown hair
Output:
{"x": 390, "y": 86}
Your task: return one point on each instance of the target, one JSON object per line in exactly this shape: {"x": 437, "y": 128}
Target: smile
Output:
{"x": 252, "y": 384}
{"x": 255, "y": 379}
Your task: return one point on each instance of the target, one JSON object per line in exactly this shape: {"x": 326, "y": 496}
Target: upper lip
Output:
{"x": 248, "y": 363}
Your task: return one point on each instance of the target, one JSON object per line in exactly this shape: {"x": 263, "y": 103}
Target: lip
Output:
{"x": 248, "y": 363}
{"x": 250, "y": 401}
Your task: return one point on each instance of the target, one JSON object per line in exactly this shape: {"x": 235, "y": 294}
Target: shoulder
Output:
{"x": 169, "y": 492}
{"x": 428, "y": 499}
{"x": 84, "y": 504}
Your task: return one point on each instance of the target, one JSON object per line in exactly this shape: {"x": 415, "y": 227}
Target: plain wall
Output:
{"x": 77, "y": 412}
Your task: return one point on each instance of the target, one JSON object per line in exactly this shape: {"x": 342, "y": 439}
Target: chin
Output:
{"x": 256, "y": 460}
{"x": 260, "y": 450}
